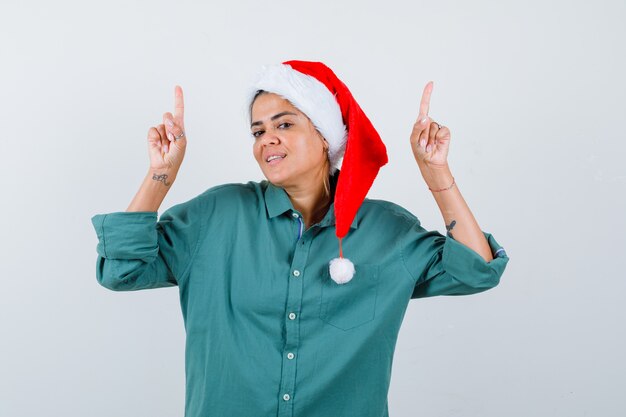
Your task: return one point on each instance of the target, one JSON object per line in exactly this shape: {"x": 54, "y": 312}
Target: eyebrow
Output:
{"x": 274, "y": 117}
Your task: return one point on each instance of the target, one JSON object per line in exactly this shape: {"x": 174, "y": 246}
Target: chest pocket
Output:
{"x": 349, "y": 305}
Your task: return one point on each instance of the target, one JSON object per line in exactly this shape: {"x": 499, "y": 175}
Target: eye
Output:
{"x": 257, "y": 133}
{"x": 285, "y": 125}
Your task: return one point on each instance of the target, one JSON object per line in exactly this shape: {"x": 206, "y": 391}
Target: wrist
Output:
{"x": 437, "y": 177}
{"x": 161, "y": 177}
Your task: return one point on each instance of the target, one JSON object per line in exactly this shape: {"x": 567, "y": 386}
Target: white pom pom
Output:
{"x": 341, "y": 270}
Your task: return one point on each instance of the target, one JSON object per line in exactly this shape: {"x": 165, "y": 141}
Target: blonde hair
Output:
{"x": 326, "y": 169}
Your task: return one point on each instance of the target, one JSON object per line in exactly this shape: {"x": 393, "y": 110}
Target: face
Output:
{"x": 287, "y": 147}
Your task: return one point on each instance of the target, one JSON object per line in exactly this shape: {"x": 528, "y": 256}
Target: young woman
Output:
{"x": 273, "y": 328}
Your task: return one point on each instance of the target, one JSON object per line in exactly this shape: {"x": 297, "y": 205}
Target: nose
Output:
{"x": 270, "y": 138}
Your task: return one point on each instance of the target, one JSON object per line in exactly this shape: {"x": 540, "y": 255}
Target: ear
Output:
{"x": 325, "y": 146}
{"x": 324, "y": 142}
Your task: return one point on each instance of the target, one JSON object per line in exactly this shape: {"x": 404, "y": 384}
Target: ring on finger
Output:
{"x": 179, "y": 136}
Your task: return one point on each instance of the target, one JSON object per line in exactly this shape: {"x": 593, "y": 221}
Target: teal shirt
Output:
{"x": 268, "y": 333}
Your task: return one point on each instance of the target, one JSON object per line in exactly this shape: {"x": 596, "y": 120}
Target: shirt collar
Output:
{"x": 277, "y": 202}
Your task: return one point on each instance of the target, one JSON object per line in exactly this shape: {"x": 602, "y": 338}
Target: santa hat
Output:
{"x": 315, "y": 90}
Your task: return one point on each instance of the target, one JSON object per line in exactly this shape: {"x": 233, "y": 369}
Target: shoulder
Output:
{"x": 386, "y": 210}
{"x": 223, "y": 197}
{"x": 233, "y": 193}
{"x": 236, "y": 191}
{"x": 389, "y": 226}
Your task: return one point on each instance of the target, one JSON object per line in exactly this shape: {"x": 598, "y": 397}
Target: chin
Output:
{"x": 277, "y": 178}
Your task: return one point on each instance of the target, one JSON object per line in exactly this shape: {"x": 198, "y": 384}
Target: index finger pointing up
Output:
{"x": 425, "y": 103}
{"x": 179, "y": 105}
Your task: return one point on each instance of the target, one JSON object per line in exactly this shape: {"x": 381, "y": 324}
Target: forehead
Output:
{"x": 268, "y": 104}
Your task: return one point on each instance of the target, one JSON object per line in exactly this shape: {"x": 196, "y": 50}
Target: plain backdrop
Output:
{"x": 533, "y": 93}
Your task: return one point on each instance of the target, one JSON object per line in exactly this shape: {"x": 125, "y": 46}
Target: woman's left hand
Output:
{"x": 429, "y": 140}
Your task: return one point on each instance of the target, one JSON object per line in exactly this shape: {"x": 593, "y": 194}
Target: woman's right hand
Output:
{"x": 166, "y": 152}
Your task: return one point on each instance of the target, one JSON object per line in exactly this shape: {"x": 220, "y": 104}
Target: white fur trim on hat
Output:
{"x": 312, "y": 98}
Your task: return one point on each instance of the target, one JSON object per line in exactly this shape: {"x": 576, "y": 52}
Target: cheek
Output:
{"x": 316, "y": 149}
{"x": 256, "y": 151}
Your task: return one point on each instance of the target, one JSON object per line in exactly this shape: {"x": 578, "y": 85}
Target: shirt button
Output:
{"x": 292, "y": 316}
{"x": 295, "y": 215}
{"x": 296, "y": 273}
{"x": 290, "y": 355}
{"x": 286, "y": 397}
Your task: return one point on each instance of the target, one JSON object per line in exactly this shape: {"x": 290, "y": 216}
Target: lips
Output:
{"x": 275, "y": 158}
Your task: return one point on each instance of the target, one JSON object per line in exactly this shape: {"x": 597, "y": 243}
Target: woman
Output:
{"x": 271, "y": 329}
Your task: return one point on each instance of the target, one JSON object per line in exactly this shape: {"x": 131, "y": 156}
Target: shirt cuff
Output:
{"x": 468, "y": 266}
{"x": 127, "y": 235}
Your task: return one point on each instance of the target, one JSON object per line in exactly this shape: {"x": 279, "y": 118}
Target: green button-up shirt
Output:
{"x": 268, "y": 332}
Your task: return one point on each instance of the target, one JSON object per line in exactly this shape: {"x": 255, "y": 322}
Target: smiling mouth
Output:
{"x": 276, "y": 158}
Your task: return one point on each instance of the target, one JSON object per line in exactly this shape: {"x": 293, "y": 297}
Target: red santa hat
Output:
{"x": 315, "y": 90}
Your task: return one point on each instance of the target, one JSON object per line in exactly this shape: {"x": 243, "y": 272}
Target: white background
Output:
{"x": 533, "y": 93}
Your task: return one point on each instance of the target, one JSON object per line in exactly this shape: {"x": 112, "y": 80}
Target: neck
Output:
{"x": 311, "y": 200}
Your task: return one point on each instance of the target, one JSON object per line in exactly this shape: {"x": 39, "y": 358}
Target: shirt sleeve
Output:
{"x": 135, "y": 251}
{"x": 441, "y": 265}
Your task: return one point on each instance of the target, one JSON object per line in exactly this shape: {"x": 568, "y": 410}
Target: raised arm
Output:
{"x": 135, "y": 251}
{"x": 430, "y": 142}
{"x": 166, "y": 147}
